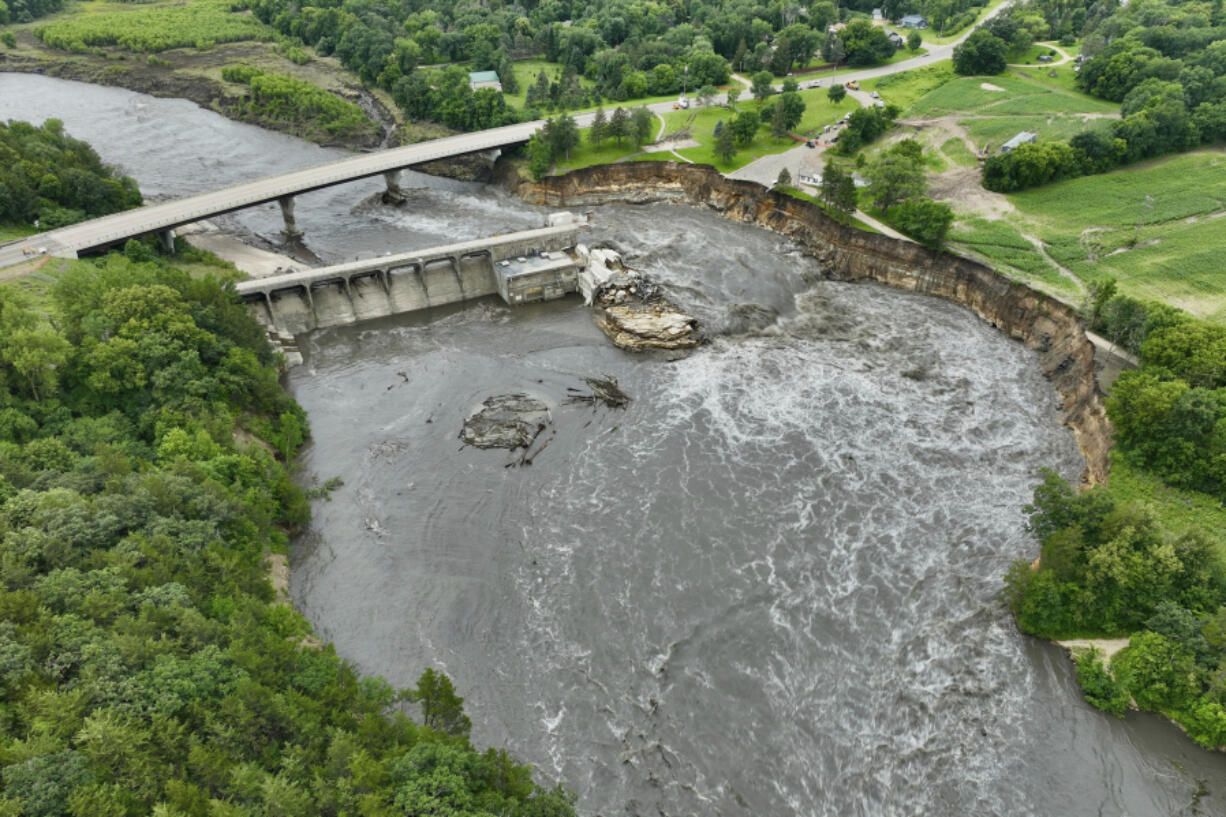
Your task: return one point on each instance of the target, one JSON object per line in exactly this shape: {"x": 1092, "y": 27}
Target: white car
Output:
{"x": 876, "y": 95}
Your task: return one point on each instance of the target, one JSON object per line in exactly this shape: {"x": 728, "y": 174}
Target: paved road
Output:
{"x": 113, "y": 229}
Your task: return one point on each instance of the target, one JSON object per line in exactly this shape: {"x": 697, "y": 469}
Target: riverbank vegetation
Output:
{"x": 147, "y": 666}
{"x": 1152, "y": 570}
{"x": 298, "y": 107}
{"x": 152, "y": 29}
{"x": 50, "y": 179}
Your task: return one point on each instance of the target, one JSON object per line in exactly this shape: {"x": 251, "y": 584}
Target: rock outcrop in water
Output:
{"x": 506, "y": 421}
{"x": 847, "y": 254}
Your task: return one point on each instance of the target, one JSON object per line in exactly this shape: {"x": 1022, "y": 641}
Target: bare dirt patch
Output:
{"x": 961, "y": 189}
{"x": 987, "y": 86}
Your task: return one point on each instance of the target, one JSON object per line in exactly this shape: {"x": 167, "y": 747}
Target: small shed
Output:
{"x": 1022, "y": 138}
{"x": 877, "y": 15}
{"x": 484, "y": 79}
{"x": 913, "y": 21}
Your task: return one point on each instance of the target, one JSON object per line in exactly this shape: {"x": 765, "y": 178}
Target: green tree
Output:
{"x": 779, "y": 127}
{"x": 762, "y": 87}
{"x": 725, "y": 145}
{"x": 441, "y": 708}
{"x": 619, "y": 125}
{"x": 836, "y": 92}
{"x": 923, "y": 219}
{"x": 914, "y": 41}
{"x": 597, "y": 132}
{"x": 562, "y": 134}
{"x": 865, "y": 43}
{"x": 894, "y": 177}
{"x": 784, "y": 178}
{"x": 745, "y": 127}
{"x": 640, "y": 126}
{"x": 1157, "y": 672}
{"x": 1098, "y": 684}
{"x": 793, "y": 107}
{"x": 734, "y": 93}
{"x": 838, "y": 192}
{"x": 980, "y": 54}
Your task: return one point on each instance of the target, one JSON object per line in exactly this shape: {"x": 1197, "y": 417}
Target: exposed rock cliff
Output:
{"x": 848, "y": 254}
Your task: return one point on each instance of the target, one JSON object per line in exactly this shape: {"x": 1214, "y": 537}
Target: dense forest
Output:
{"x": 1164, "y": 62}
{"x": 49, "y": 178}
{"x": 147, "y": 666}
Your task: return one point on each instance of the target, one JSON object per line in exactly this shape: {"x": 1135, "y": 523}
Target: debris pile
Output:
{"x": 631, "y": 309}
{"x": 506, "y": 421}
{"x": 604, "y": 391}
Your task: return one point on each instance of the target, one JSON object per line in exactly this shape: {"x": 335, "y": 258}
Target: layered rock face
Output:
{"x": 848, "y": 254}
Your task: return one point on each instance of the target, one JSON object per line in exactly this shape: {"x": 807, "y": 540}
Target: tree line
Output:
{"x": 49, "y": 179}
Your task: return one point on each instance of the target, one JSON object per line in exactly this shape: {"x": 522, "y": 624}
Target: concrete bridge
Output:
{"x": 309, "y": 299}
{"x": 107, "y": 231}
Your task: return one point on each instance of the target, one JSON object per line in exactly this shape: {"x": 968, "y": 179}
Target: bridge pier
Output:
{"x": 290, "y": 230}
{"x": 167, "y": 239}
{"x": 393, "y": 194}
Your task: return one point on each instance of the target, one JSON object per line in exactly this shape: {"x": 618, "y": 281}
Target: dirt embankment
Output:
{"x": 847, "y": 254}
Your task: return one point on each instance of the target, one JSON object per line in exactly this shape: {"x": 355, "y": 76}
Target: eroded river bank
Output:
{"x": 765, "y": 587}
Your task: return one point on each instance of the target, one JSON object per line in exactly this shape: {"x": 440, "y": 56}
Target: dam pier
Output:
{"x": 523, "y": 267}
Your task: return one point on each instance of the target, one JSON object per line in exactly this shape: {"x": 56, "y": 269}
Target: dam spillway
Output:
{"x": 523, "y": 267}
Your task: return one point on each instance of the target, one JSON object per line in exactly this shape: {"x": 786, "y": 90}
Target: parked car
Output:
{"x": 1045, "y": 58}
{"x": 876, "y": 95}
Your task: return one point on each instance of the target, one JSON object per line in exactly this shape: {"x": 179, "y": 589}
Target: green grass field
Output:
{"x": 903, "y": 89}
{"x": 819, "y": 111}
{"x": 1010, "y": 252}
{"x": 1018, "y": 95}
{"x": 958, "y": 153}
{"x": 1160, "y": 237}
{"x": 1177, "y": 510}
{"x": 154, "y": 28}
{"x": 996, "y": 130}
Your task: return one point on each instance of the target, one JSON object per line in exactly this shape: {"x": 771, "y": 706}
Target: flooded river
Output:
{"x": 767, "y": 587}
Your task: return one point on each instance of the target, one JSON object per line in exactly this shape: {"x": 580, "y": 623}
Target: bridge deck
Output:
{"x": 112, "y": 229}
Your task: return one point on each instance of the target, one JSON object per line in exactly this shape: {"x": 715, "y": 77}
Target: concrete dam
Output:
{"x": 522, "y": 267}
